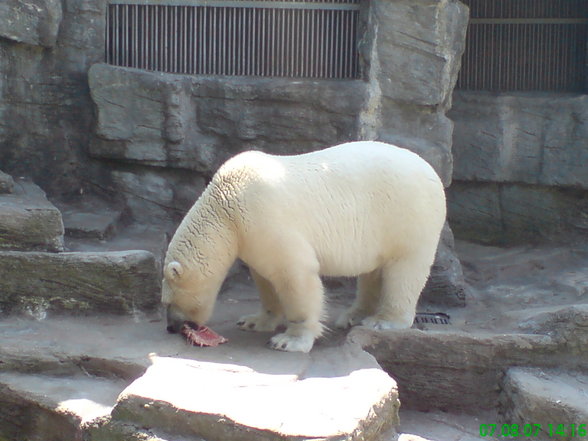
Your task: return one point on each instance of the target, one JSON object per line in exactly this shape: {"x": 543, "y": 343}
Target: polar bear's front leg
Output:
{"x": 263, "y": 321}
{"x": 297, "y": 338}
{"x": 301, "y": 297}
{"x": 270, "y": 316}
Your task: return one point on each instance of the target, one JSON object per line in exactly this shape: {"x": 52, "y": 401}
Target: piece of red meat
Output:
{"x": 201, "y": 335}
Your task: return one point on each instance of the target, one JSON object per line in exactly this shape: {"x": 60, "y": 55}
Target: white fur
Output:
{"x": 364, "y": 209}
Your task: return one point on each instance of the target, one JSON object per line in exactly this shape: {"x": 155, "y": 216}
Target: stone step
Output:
{"x": 123, "y": 282}
{"x": 183, "y": 392}
{"x": 42, "y": 407}
{"x": 152, "y": 238}
{"x": 90, "y": 218}
{"x": 469, "y": 365}
{"x": 556, "y": 401}
{"x": 28, "y": 221}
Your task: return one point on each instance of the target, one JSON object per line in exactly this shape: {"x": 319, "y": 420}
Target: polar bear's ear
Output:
{"x": 174, "y": 270}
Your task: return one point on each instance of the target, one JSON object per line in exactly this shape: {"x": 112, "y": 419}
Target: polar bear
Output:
{"x": 365, "y": 209}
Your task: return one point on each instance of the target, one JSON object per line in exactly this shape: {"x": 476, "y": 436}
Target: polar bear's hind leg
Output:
{"x": 402, "y": 283}
{"x": 369, "y": 287}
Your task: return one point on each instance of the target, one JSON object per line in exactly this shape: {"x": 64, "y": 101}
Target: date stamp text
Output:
{"x": 532, "y": 430}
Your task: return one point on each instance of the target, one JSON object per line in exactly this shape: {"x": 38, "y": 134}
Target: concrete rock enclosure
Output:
{"x": 83, "y": 348}
{"x": 150, "y": 141}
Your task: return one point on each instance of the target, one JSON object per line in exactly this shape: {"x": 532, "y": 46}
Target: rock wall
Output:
{"x": 46, "y": 114}
{"x": 410, "y": 56}
{"x": 520, "y": 166}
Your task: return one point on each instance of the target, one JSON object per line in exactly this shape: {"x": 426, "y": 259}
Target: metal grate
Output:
{"x": 313, "y": 39}
{"x": 526, "y": 45}
{"x": 435, "y": 318}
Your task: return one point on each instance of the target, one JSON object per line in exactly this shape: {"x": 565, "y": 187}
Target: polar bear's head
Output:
{"x": 188, "y": 294}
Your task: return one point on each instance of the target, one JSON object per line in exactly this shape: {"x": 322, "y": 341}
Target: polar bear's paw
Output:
{"x": 349, "y": 318}
{"x": 260, "y": 322}
{"x": 382, "y": 325}
{"x": 292, "y": 343}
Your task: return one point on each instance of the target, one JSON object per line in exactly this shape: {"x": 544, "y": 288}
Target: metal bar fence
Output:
{"x": 526, "y": 45}
{"x": 288, "y": 38}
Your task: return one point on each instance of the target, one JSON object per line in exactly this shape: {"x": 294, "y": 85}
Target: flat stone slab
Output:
{"x": 552, "y": 399}
{"x": 90, "y": 219}
{"x": 342, "y": 394}
{"x": 47, "y": 407}
{"x": 142, "y": 116}
{"x": 121, "y": 282}
{"x": 28, "y": 221}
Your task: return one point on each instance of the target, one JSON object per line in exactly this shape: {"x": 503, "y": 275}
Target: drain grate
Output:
{"x": 435, "y": 318}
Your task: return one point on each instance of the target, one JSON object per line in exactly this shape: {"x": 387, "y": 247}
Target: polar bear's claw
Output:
{"x": 349, "y": 318}
{"x": 260, "y": 322}
{"x": 290, "y": 343}
{"x": 382, "y": 325}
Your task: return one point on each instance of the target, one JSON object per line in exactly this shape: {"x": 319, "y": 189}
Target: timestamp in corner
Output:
{"x": 532, "y": 430}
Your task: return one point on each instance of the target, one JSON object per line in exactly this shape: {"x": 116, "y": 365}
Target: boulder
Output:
{"x": 34, "y": 22}
{"x": 116, "y": 282}
{"x": 6, "y": 183}
{"x": 418, "y": 46}
{"x": 341, "y": 395}
{"x": 412, "y": 50}
{"x": 28, "y": 221}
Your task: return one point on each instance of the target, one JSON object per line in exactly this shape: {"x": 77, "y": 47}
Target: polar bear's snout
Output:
{"x": 175, "y": 319}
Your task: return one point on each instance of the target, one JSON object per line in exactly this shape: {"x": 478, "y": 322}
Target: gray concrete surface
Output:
{"x": 443, "y": 366}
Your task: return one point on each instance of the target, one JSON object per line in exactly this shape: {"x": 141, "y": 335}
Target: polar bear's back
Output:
{"x": 356, "y": 204}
